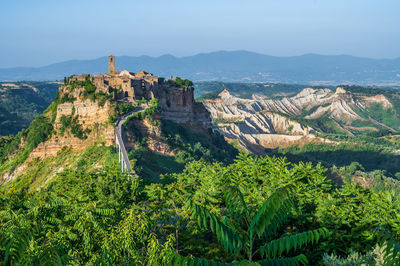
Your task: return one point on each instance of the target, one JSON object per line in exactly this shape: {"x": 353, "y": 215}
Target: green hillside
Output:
{"x": 20, "y": 102}
{"x": 196, "y": 217}
{"x": 204, "y": 204}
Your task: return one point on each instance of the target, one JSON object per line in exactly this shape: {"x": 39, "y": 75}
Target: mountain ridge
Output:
{"x": 233, "y": 66}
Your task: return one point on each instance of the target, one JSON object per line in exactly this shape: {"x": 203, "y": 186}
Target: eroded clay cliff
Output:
{"x": 253, "y": 125}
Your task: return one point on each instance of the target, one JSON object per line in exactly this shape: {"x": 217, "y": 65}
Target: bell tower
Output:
{"x": 111, "y": 64}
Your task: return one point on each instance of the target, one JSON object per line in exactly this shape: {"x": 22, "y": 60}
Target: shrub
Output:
{"x": 179, "y": 81}
{"x": 71, "y": 122}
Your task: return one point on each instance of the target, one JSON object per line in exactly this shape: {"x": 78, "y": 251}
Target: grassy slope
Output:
{"x": 38, "y": 172}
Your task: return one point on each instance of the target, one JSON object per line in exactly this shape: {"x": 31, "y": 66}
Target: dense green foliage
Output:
{"x": 178, "y": 82}
{"x": 183, "y": 82}
{"x": 188, "y": 145}
{"x": 195, "y": 144}
{"x": 147, "y": 113}
{"x": 71, "y": 122}
{"x": 371, "y": 157}
{"x": 89, "y": 91}
{"x": 200, "y": 205}
{"x": 253, "y": 233}
{"x": 124, "y": 108}
{"x": 22, "y": 102}
{"x": 104, "y": 216}
{"x": 369, "y": 90}
{"x": 39, "y": 130}
{"x": 208, "y": 95}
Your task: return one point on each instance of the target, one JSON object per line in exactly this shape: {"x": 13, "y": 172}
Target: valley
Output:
{"x": 199, "y": 133}
{"x": 332, "y": 126}
{"x": 63, "y": 180}
{"x": 20, "y": 102}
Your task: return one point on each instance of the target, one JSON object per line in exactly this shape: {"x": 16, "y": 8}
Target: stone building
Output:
{"x": 128, "y": 86}
{"x": 176, "y": 102}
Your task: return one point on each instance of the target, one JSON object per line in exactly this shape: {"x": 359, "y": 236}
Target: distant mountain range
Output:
{"x": 236, "y": 66}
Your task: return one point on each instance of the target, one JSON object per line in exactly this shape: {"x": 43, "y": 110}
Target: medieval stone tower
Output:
{"x": 111, "y": 64}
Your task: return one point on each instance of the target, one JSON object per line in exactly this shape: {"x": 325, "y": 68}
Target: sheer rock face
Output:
{"x": 178, "y": 105}
{"x": 253, "y": 116}
{"x": 90, "y": 117}
{"x": 340, "y": 105}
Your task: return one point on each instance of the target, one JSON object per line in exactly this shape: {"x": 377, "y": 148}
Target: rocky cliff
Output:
{"x": 178, "y": 105}
{"x": 91, "y": 118}
{"x": 149, "y": 134}
{"x": 339, "y": 105}
{"x": 250, "y": 122}
{"x": 83, "y": 115}
{"x": 275, "y": 122}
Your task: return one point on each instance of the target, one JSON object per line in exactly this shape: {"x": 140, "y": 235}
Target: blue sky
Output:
{"x": 40, "y": 32}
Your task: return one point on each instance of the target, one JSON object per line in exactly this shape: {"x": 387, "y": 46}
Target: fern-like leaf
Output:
{"x": 391, "y": 252}
{"x": 235, "y": 203}
{"x": 105, "y": 212}
{"x": 268, "y": 214}
{"x": 104, "y": 260}
{"x": 53, "y": 256}
{"x": 288, "y": 243}
{"x": 277, "y": 221}
{"x": 226, "y": 236}
{"x": 15, "y": 247}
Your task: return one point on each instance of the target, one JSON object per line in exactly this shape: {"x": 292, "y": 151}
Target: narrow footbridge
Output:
{"x": 120, "y": 143}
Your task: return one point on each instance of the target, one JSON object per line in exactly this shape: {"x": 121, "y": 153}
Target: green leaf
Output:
{"x": 267, "y": 215}
{"x": 226, "y": 236}
{"x": 235, "y": 203}
{"x": 288, "y": 243}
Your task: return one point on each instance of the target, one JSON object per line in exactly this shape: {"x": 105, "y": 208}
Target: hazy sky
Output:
{"x": 40, "y": 32}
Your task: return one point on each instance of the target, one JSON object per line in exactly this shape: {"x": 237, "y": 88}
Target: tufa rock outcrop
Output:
{"x": 89, "y": 101}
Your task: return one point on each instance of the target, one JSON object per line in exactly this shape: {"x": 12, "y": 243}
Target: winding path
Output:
{"x": 119, "y": 140}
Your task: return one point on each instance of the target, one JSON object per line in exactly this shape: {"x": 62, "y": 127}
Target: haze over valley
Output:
{"x": 200, "y": 133}
{"x": 238, "y": 66}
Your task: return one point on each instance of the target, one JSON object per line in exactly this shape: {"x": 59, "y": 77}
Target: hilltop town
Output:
{"x": 87, "y": 108}
{"x": 175, "y": 96}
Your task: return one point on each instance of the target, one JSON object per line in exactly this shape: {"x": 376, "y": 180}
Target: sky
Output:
{"x": 42, "y": 32}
